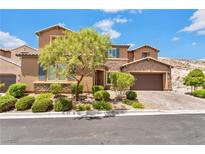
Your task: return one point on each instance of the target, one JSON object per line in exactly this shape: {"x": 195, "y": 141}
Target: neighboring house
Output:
{"x": 142, "y": 62}
{"x": 5, "y": 53}
{"x": 10, "y": 72}
{"x": 21, "y": 49}
{"x": 10, "y": 64}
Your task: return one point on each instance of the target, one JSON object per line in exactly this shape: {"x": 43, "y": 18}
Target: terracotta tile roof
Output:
{"x": 10, "y": 61}
{"x": 5, "y": 49}
{"x": 145, "y": 59}
{"x": 28, "y": 53}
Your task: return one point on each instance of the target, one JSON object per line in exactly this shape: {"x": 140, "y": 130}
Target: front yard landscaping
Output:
{"x": 15, "y": 99}
{"x": 199, "y": 93}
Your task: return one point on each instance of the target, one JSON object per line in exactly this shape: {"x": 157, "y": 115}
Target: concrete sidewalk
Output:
{"x": 95, "y": 113}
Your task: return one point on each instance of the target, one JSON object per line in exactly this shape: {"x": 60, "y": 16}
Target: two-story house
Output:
{"x": 142, "y": 62}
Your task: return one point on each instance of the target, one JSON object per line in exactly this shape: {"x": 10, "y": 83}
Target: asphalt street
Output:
{"x": 146, "y": 129}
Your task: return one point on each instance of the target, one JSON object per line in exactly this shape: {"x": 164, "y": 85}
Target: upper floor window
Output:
{"x": 145, "y": 54}
{"x": 113, "y": 53}
{"x": 53, "y": 37}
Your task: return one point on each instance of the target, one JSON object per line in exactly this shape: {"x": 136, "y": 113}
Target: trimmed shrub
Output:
{"x": 7, "y": 103}
{"x": 102, "y": 105}
{"x": 128, "y": 102}
{"x": 74, "y": 88}
{"x": 102, "y": 95}
{"x": 63, "y": 104}
{"x": 132, "y": 95}
{"x": 97, "y": 88}
{"x": 24, "y": 103}
{"x": 44, "y": 96}
{"x": 42, "y": 105}
{"x": 56, "y": 88}
{"x": 2, "y": 84}
{"x": 17, "y": 90}
{"x": 83, "y": 107}
{"x": 199, "y": 93}
{"x": 138, "y": 105}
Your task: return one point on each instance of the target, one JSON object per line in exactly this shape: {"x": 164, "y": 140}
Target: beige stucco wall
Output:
{"x": 87, "y": 83}
{"x": 138, "y": 52}
{"x": 29, "y": 71}
{"x": 44, "y": 37}
{"x": 123, "y": 50}
{"x": 10, "y": 68}
{"x": 151, "y": 66}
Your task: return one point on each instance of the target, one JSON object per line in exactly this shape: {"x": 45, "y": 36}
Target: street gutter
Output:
{"x": 95, "y": 113}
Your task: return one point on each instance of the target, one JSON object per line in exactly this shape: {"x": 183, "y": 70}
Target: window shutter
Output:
{"x": 118, "y": 53}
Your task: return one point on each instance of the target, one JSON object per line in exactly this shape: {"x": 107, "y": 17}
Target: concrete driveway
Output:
{"x": 170, "y": 100}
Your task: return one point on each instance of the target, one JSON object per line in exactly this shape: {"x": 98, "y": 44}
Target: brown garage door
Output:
{"x": 148, "y": 82}
{"x": 7, "y": 79}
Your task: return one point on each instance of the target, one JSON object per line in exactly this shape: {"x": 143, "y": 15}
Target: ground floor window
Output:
{"x": 108, "y": 80}
{"x": 53, "y": 73}
{"x": 41, "y": 73}
{"x": 56, "y": 72}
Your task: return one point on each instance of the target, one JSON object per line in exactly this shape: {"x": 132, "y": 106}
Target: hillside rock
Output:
{"x": 181, "y": 69}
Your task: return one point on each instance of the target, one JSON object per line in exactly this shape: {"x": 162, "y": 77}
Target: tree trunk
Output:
{"x": 77, "y": 88}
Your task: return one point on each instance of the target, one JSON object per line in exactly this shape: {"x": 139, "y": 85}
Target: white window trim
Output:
{"x": 116, "y": 49}
{"x": 147, "y": 52}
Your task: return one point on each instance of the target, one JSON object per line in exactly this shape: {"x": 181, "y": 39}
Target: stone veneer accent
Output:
{"x": 44, "y": 87}
{"x": 114, "y": 64}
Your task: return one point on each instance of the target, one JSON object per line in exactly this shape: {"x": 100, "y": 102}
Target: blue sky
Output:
{"x": 176, "y": 33}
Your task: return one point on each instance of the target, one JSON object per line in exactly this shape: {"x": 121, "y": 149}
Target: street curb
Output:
{"x": 95, "y": 113}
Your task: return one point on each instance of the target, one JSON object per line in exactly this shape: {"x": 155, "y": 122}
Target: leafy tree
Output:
{"x": 195, "y": 78}
{"x": 79, "y": 53}
{"x": 120, "y": 82}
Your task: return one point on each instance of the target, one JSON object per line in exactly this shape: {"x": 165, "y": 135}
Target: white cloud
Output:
{"x": 193, "y": 43}
{"x": 120, "y": 20}
{"x": 174, "y": 39}
{"x": 9, "y": 41}
{"x": 131, "y": 45}
{"x": 139, "y": 10}
{"x": 106, "y": 26}
{"x": 61, "y": 24}
{"x": 112, "y": 10}
{"x": 201, "y": 32}
{"x": 198, "y": 23}
{"x": 112, "y": 33}
{"x": 121, "y": 10}
{"x": 136, "y": 11}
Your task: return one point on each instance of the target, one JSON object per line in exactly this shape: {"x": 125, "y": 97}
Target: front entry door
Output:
{"x": 99, "y": 77}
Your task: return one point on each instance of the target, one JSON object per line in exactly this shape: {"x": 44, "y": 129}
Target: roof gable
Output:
{"x": 25, "y": 45}
{"x": 143, "y": 59}
{"x": 145, "y": 45}
{"x": 52, "y": 27}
